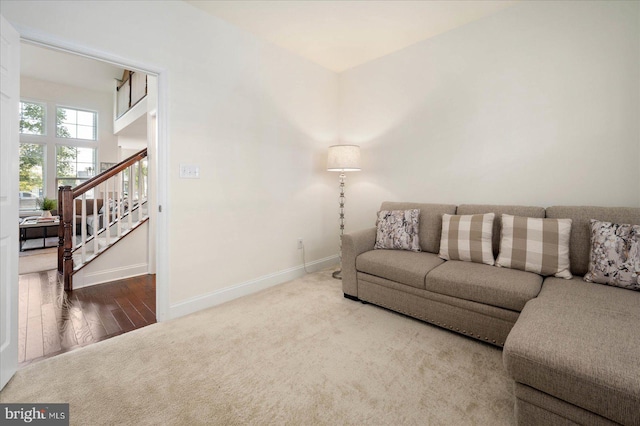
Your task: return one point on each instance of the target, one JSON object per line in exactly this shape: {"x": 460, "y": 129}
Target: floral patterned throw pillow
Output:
{"x": 615, "y": 255}
{"x": 398, "y": 229}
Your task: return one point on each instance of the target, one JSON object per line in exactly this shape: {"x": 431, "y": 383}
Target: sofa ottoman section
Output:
{"x": 404, "y": 267}
{"x": 501, "y": 287}
{"x": 535, "y": 408}
{"x": 578, "y": 342}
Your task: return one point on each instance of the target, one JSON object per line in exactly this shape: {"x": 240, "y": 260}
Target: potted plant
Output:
{"x": 46, "y": 205}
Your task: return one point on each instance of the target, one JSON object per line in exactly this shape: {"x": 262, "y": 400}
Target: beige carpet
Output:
{"x": 37, "y": 260}
{"x": 297, "y": 353}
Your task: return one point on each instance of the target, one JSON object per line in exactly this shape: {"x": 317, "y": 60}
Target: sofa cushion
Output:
{"x": 535, "y": 245}
{"x": 467, "y": 237}
{"x": 504, "y": 288}
{"x": 430, "y": 221}
{"x": 398, "y": 229}
{"x": 525, "y": 211}
{"x": 615, "y": 255}
{"x": 405, "y": 267}
{"x": 579, "y": 342}
{"x": 580, "y": 216}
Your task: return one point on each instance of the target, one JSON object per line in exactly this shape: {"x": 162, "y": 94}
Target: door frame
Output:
{"x": 161, "y": 162}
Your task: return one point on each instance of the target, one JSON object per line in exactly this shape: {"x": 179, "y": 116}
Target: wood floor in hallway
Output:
{"x": 53, "y": 321}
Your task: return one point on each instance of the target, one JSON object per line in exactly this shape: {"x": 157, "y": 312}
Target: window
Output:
{"x": 31, "y": 175}
{"x": 32, "y": 118}
{"x": 76, "y": 124}
{"x": 46, "y": 160}
{"x": 74, "y": 164}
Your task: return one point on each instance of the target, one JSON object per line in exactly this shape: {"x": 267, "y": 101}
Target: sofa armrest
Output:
{"x": 354, "y": 244}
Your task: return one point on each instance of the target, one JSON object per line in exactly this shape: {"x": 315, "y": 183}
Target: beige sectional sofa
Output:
{"x": 572, "y": 347}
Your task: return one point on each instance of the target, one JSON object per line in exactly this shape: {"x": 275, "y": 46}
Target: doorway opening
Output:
{"x": 84, "y": 130}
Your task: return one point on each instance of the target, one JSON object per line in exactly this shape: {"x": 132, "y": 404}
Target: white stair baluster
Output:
{"x": 83, "y": 228}
{"x": 74, "y": 243}
{"x": 140, "y": 188}
{"x": 107, "y": 206}
{"x": 96, "y": 223}
{"x": 118, "y": 203}
{"x": 130, "y": 194}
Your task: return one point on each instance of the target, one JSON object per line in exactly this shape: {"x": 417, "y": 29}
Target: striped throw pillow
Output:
{"x": 467, "y": 237}
{"x": 535, "y": 245}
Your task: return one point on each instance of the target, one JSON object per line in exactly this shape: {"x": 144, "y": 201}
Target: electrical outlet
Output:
{"x": 300, "y": 244}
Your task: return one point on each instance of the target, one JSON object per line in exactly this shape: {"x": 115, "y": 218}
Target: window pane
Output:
{"x": 75, "y": 162}
{"x": 32, "y": 118}
{"x": 86, "y": 118}
{"x": 66, "y": 115}
{"x": 65, "y": 161}
{"x": 76, "y": 124}
{"x": 85, "y": 170}
{"x": 31, "y": 175}
{"x": 86, "y": 155}
{"x": 66, "y": 131}
{"x": 85, "y": 132}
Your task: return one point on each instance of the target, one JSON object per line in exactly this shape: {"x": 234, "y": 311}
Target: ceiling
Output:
{"x": 343, "y": 34}
{"x": 65, "y": 68}
{"x": 338, "y": 35}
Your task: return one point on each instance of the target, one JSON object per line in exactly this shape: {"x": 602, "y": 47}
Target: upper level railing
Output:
{"x": 130, "y": 91}
{"x": 89, "y": 226}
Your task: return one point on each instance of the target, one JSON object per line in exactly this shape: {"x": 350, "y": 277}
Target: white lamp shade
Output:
{"x": 344, "y": 158}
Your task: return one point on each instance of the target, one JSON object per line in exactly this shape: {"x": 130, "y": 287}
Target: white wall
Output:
{"x": 536, "y": 105}
{"x": 255, "y": 118}
{"x": 128, "y": 258}
{"x": 54, "y": 95}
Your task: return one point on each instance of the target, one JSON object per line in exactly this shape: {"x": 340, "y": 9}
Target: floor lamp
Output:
{"x": 343, "y": 158}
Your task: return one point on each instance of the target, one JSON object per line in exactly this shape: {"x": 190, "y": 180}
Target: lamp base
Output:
{"x": 337, "y": 274}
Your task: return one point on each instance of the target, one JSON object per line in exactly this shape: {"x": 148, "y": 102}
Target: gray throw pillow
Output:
{"x": 615, "y": 255}
{"x": 398, "y": 230}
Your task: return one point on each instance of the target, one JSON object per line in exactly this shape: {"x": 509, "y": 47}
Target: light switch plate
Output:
{"x": 189, "y": 171}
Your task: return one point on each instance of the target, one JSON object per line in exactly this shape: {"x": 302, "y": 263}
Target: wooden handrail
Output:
{"x": 107, "y": 174}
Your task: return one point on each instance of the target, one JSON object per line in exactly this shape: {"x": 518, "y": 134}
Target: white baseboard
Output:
{"x": 226, "y": 294}
{"x": 81, "y": 279}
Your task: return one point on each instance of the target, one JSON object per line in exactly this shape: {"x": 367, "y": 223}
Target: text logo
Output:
{"x": 35, "y": 414}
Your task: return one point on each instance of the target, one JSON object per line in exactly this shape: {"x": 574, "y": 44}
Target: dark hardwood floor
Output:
{"x": 53, "y": 321}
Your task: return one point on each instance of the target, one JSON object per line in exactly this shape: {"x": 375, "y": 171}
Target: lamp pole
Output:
{"x": 338, "y": 274}
{"x": 343, "y": 158}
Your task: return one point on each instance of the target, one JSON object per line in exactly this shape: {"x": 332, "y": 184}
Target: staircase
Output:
{"x": 83, "y": 237}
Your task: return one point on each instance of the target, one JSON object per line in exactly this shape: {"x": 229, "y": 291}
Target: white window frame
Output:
{"x": 95, "y": 127}
{"x": 51, "y": 141}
